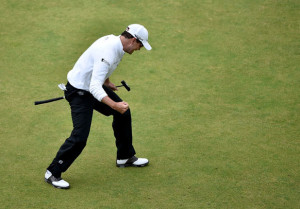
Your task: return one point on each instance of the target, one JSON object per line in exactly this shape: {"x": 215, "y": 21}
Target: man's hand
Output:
{"x": 121, "y": 107}
{"x": 110, "y": 85}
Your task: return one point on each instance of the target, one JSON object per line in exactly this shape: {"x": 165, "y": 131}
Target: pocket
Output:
{"x": 69, "y": 95}
{"x": 70, "y": 92}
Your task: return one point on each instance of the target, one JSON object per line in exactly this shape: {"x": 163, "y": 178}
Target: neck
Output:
{"x": 125, "y": 43}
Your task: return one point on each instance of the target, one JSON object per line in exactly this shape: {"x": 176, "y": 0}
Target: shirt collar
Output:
{"x": 121, "y": 51}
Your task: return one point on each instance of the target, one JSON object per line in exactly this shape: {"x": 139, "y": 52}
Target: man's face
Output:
{"x": 135, "y": 45}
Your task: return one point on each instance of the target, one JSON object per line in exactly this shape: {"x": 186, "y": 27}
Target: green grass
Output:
{"x": 215, "y": 104}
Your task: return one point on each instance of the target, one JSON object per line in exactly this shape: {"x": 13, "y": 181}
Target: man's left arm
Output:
{"x": 110, "y": 85}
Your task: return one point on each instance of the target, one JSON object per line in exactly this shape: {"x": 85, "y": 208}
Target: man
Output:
{"x": 88, "y": 89}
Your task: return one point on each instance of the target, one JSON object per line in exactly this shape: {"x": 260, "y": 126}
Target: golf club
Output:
{"x": 125, "y": 85}
{"x": 49, "y": 100}
{"x": 63, "y": 87}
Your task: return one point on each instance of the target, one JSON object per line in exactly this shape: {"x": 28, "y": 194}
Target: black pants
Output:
{"x": 82, "y": 104}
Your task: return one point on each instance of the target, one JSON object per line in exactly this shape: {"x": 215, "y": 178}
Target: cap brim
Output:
{"x": 146, "y": 45}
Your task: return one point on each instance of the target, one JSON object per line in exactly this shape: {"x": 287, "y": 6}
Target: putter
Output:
{"x": 63, "y": 87}
{"x": 125, "y": 85}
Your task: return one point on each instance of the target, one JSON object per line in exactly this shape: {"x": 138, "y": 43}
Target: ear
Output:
{"x": 132, "y": 40}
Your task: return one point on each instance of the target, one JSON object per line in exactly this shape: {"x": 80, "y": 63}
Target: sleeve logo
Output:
{"x": 106, "y": 62}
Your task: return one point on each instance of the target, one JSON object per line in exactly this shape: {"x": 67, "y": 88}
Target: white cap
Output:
{"x": 139, "y": 32}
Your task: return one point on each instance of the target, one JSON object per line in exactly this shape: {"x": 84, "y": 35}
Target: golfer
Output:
{"x": 88, "y": 89}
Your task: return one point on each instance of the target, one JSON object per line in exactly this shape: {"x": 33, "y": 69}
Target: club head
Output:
{"x": 125, "y": 85}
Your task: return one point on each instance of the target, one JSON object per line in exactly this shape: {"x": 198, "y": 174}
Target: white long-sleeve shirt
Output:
{"x": 96, "y": 64}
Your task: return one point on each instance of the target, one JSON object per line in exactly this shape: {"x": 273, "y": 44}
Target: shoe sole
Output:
{"x": 131, "y": 165}
{"x": 58, "y": 187}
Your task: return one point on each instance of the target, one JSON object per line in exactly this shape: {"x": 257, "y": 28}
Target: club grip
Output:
{"x": 49, "y": 100}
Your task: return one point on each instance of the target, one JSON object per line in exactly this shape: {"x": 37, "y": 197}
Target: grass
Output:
{"x": 215, "y": 104}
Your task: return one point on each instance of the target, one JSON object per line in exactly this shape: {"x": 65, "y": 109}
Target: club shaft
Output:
{"x": 47, "y": 101}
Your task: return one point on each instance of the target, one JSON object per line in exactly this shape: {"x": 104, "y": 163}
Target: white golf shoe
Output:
{"x": 133, "y": 161}
{"x": 56, "y": 182}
